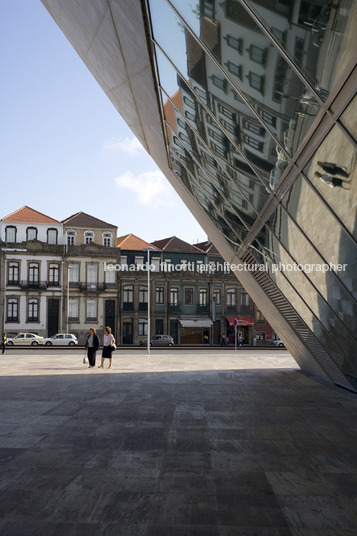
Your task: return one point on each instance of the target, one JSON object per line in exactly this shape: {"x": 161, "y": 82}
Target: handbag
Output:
{"x": 113, "y": 347}
{"x": 85, "y": 358}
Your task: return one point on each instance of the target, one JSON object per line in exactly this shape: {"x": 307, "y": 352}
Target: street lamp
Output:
{"x": 69, "y": 267}
{"x": 148, "y": 270}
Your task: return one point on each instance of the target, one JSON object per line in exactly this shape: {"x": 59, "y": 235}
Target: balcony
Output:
{"x": 128, "y": 306}
{"x": 201, "y": 309}
{"x": 92, "y": 287}
{"x": 143, "y": 306}
{"x": 33, "y": 285}
{"x": 174, "y": 307}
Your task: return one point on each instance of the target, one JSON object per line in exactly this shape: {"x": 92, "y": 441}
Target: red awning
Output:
{"x": 242, "y": 321}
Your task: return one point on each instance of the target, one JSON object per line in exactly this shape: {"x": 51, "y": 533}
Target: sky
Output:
{"x": 63, "y": 146}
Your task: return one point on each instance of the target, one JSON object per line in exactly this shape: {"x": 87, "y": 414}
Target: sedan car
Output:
{"x": 159, "y": 340}
{"x": 25, "y": 338}
{"x": 278, "y": 342}
{"x": 61, "y": 339}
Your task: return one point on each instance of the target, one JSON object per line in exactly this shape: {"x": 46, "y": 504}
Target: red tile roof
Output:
{"x": 207, "y": 247}
{"x": 29, "y": 215}
{"x": 81, "y": 219}
{"x": 132, "y": 242}
{"x": 175, "y": 245}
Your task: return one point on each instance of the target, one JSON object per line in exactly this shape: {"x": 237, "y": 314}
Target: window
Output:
{"x": 244, "y": 298}
{"x": 188, "y": 296}
{"x": 231, "y": 297}
{"x": 181, "y": 123}
{"x": 184, "y": 137}
{"x": 234, "y": 43}
{"x": 128, "y": 294}
{"x": 190, "y": 116}
{"x": 257, "y": 54}
{"x": 53, "y": 276}
{"x": 12, "y": 310}
{"x": 143, "y": 326}
{"x": 107, "y": 240}
{"x": 139, "y": 262}
{"x": 71, "y": 235}
{"x": 202, "y": 296}
{"x": 217, "y": 296}
{"x": 189, "y": 102}
{"x": 155, "y": 264}
{"x": 256, "y": 81}
{"x": 73, "y": 309}
{"x": 218, "y": 149}
{"x": 260, "y": 336}
{"x": 32, "y": 310}
{"x": 225, "y": 111}
{"x": 124, "y": 262}
{"x": 143, "y": 294}
{"x": 268, "y": 118}
{"x": 91, "y": 309}
{"x": 228, "y": 126}
{"x": 52, "y": 236}
{"x": 92, "y": 279}
{"x": 253, "y": 127}
{"x": 13, "y": 276}
{"x": 259, "y": 317}
{"x": 254, "y": 143}
{"x": 217, "y": 136}
{"x": 88, "y": 237}
{"x": 159, "y": 295}
{"x": 234, "y": 69}
{"x": 174, "y": 296}
{"x": 33, "y": 272}
{"x": 73, "y": 274}
{"x": 219, "y": 82}
{"x": 110, "y": 278}
{"x": 159, "y": 326}
{"x": 31, "y": 233}
{"x": 10, "y": 233}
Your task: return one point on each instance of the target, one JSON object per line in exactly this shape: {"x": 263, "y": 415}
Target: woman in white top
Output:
{"x": 108, "y": 347}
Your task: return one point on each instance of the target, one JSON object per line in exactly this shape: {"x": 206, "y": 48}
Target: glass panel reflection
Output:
{"x": 264, "y": 117}
{"x": 348, "y": 118}
{"x": 315, "y": 311}
{"x": 332, "y": 172}
{"x": 317, "y": 36}
{"x": 316, "y": 220}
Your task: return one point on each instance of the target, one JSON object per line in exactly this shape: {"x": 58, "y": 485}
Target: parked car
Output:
{"x": 278, "y": 342}
{"x": 61, "y": 339}
{"x": 25, "y": 338}
{"x": 159, "y": 340}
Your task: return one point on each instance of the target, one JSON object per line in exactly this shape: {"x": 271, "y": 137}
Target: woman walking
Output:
{"x": 92, "y": 346}
{"x": 108, "y": 347}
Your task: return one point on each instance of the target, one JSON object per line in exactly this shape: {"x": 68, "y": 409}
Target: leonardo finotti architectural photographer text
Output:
{"x": 225, "y": 267}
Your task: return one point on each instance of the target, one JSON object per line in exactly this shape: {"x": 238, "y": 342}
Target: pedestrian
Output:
{"x": 92, "y": 346}
{"x": 223, "y": 340}
{"x": 333, "y": 169}
{"x": 333, "y": 182}
{"x": 240, "y": 340}
{"x": 3, "y": 342}
{"x": 108, "y": 347}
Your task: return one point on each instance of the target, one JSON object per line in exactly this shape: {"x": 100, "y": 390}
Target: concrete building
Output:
{"x": 259, "y": 93}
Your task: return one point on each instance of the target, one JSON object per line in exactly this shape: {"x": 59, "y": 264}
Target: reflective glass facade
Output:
{"x": 262, "y": 135}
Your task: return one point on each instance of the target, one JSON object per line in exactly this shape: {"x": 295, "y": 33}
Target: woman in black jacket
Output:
{"x": 92, "y": 346}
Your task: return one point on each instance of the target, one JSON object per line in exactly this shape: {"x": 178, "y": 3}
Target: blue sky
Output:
{"x": 63, "y": 146}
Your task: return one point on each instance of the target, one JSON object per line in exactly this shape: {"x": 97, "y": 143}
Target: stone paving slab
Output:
{"x": 221, "y": 443}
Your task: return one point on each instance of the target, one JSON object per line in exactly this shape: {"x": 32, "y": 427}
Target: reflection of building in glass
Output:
{"x": 237, "y": 102}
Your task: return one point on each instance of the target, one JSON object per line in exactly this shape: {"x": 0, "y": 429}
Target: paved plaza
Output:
{"x": 178, "y": 443}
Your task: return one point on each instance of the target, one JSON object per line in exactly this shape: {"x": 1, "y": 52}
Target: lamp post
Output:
{"x": 69, "y": 267}
{"x": 149, "y": 319}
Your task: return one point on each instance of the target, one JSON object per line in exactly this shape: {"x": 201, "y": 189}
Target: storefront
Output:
{"x": 243, "y": 325}
{"x": 195, "y": 330}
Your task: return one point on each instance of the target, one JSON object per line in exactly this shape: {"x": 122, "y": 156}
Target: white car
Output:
{"x": 61, "y": 339}
{"x": 278, "y": 342}
{"x": 25, "y": 338}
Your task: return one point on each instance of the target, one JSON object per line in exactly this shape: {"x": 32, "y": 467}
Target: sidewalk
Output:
{"x": 174, "y": 444}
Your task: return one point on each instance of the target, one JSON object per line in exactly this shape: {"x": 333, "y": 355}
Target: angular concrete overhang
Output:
{"x": 112, "y": 38}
